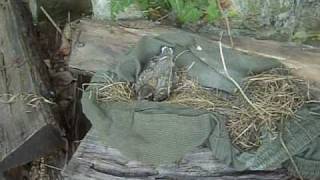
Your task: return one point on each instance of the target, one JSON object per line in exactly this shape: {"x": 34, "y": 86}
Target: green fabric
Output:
{"x": 157, "y": 132}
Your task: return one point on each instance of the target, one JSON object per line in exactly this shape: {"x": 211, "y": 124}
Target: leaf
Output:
{"x": 213, "y": 11}
{"x": 143, "y": 4}
{"x": 190, "y": 14}
{"x": 177, "y": 6}
{"x": 119, "y": 5}
{"x": 186, "y": 12}
{"x": 201, "y": 4}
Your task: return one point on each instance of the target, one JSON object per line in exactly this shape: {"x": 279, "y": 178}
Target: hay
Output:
{"x": 188, "y": 92}
{"x": 115, "y": 92}
{"x": 32, "y": 100}
{"x": 277, "y": 93}
{"x": 111, "y": 91}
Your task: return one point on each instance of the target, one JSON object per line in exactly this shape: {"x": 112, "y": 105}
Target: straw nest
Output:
{"x": 276, "y": 95}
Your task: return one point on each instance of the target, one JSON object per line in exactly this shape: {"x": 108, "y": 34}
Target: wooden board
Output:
{"x": 95, "y": 47}
{"x": 96, "y": 44}
{"x": 26, "y": 132}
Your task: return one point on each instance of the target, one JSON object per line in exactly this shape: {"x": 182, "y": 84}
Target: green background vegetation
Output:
{"x": 185, "y": 11}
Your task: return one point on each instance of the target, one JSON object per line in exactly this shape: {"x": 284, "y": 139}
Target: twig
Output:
{"x": 53, "y": 167}
{"x": 67, "y": 153}
{"x": 191, "y": 65}
{"x": 69, "y": 17}
{"x": 52, "y": 21}
{"x": 244, "y": 131}
{"x": 308, "y": 90}
{"x": 180, "y": 54}
{"x": 163, "y": 17}
{"x": 289, "y": 154}
{"x": 226, "y": 19}
{"x": 232, "y": 80}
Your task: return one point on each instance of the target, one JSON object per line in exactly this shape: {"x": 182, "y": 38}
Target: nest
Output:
{"x": 276, "y": 94}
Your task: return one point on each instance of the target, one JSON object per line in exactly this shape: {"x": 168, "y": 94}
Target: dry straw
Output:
{"x": 278, "y": 93}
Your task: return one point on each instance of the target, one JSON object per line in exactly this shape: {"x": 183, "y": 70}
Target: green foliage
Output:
{"x": 213, "y": 11}
{"x": 303, "y": 36}
{"x": 119, "y": 5}
{"x": 186, "y": 11}
{"x": 152, "y": 4}
{"x": 233, "y": 13}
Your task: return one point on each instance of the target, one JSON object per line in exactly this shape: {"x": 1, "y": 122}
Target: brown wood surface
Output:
{"x": 96, "y": 44}
{"x": 25, "y": 132}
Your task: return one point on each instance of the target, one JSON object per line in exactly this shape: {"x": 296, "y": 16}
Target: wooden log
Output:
{"x": 95, "y": 47}
{"x": 26, "y": 131}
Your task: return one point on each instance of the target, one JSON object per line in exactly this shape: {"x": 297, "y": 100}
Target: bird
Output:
{"x": 155, "y": 81}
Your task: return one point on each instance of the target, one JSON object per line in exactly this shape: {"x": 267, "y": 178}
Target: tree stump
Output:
{"x": 28, "y": 126}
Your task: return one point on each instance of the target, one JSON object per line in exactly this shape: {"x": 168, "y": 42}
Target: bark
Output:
{"x": 27, "y": 132}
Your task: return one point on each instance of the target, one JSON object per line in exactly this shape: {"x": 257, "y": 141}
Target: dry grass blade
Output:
{"x": 115, "y": 92}
{"x": 189, "y": 93}
{"x": 32, "y": 100}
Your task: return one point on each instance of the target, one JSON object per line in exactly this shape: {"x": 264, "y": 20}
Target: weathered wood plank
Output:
{"x": 95, "y": 161}
{"x": 96, "y": 44}
{"x": 25, "y": 131}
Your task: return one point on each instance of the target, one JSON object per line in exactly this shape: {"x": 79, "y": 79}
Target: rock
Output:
{"x": 101, "y": 9}
{"x": 131, "y": 12}
{"x": 273, "y": 19}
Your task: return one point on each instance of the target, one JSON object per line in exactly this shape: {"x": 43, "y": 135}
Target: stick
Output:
{"x": 180, "y": 54}
{"x": 52, "y": 21}
{"x": 232, "y": 80}
{"x": 226, "y": 19}
{"x": 288, "y": 153}
{"x": 53, "y": 167}
{"x": 163, "y": 17}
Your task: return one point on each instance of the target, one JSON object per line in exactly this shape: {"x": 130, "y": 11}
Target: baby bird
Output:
{"x": 155, "y": 81}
